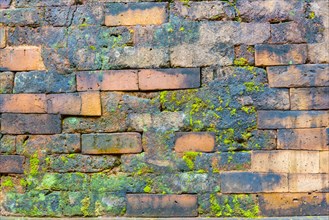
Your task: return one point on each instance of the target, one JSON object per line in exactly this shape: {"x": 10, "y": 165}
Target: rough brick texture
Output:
{"x": 148, "y": 108}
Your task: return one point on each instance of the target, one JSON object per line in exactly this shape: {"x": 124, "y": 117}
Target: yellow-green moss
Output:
{"x": 189, "y": 158}
{"x": 34, "y": 164}
{"x": 85, "y": 203}
{"x": 7, "y": 182}
{"x": 240, "y": 62}
{"x": 147, "y": 189}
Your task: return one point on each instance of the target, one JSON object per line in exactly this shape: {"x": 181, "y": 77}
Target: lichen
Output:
{"x": 85, "y": 203}
{"x": 189, "y": 158}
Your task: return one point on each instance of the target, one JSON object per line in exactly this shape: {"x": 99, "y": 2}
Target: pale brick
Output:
{"x": 308, "y": 182}
{"x": 324, "y": 162}
{"x": 3, "y": 37}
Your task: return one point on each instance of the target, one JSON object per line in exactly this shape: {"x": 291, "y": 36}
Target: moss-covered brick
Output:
{"x": 6, "y": 82}
{"x": 63, "y": 182}
{"x": 7, "y": 144}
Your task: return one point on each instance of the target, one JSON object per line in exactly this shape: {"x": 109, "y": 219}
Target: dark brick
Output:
{"x": 59, "y": 16}
{"x": 288, "y": 32}
{"x": 11, "y": 164}
{"x": 30, "y": 124}
{"x": 37, "y": 3}
{"x": 21, "y": 16}
{"x": 162, "y": 205}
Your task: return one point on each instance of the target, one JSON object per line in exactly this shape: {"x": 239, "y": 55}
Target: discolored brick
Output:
{"x": 318, "y": 53}
{"x": 23, "y": 103}
{"x": 288, "y": 32}
{"x": 21, "y": 16}
{"x": 324, "y": 161}
{"x": 6, "y": 82}
{"x": 3, "y": 37}
{"x": 194, "y": 141}
{"x": 310, "y": 182}
{"x": 309, "y": 98}
{"x": 11, "y": 164}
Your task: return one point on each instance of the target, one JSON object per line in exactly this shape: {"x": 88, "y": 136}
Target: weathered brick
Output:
{"x": 194, "y": 141}
{"x": 288, "y": 32}
{"x": 273, "y": 55}
{"x": 324, "y": 162}
{"x": 21, "y": 58}
{"x": 44, "y": 82}
{"x": 6, "y": 82}
{"x": 292, "y": 119}
{"x": 5, "y": 4}
{"x": 83, "y": 103}
{"x": 245, "y": 53}
{"x": 169, "y": 79}
{"x": 247, "y": 182}
{"x": 59, "y": 16}
{"x": 37, "y": 3}
{"x": 293, "y": 204}
{"x": 112, "y": 80}
{"x": 135, "y": 14}
{"x": 310, "y": 182}
{"x": 23, "y": 103}
{"x": 115, "y": 143}
{"x": 64, "y": 182}
{"x": 309, "y": 98}
{"x": 3, "y": 37}
{"x": 318, "y": 53}
{"x": 11, "y": 164}
{"x": 21, "y": 16}
{"x": 161, "y": 205}
{"x": 298, "y": 75}
{"x": 285, "y": 161}
{"x": 59, "y": 143}
{"x": 30, "y": 123}
{"x": 7, "y": 144}
{"x": 302, "y": 139}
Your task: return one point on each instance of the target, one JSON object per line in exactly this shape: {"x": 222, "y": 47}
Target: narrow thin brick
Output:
{"x": 21, "y": 58}
{"x": 159, "y": 79}
{"x": 11, "y": 164}
{"x": 292, "y": 119}
{"x": 3, "y": 37}
{"x": 30, "y": 124}
{"x": 161, "y": 205}
{"x": 310, "y": 182}
{"x": 324, "y": 162}
{"x": 6, "y": 82}
{"x": 23, "y": 103}
{"x": 194, "y": 141}
{"x": 309, "y": 98}
{"x": 115, "y": 143}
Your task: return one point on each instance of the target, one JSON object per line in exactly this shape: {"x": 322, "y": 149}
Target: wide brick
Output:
{"x": 112, "y": 80}
{"x": 293, "y": 204}
{"x": 324, "y": 162}
{"x": 162, "y": 205}
{"x": 115, "y": 143}
{"x": 145, "y": 13}
{"x": 194, "y": 141}
{"x": 5, "y": 4}
{"x": 313, "y": 182}
{"x": 3, "y": 37}
{"x": 21, "y": 58}
{"x": 11, "y": 164}
{"x": 318, "y": 53}
{"x": 309, "y": 98}
{"x": 169, "y": 79}
{"x": 30, "y": 123}
{"x": 285, "y": 161}
{"x": 84, "y": 103}
{"x": 288, "y": 32}
{"x": 6, "y": 82}
{"x": 247, "y": 182}
{"x": 23, "y": 103}
{"x": 21, "y": 16}
{"x": 37, "y": 3}
{"x": 302, "y": 139}
{"x": 292, "y": 119}
{"x": 273, "y": 55}
{"x": 298, "y": 75}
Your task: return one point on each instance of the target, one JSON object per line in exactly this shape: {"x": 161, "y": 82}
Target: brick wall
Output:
{"x": 164, "y": 108}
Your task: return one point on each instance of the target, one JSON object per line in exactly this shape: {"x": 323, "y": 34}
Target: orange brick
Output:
{"x": 145, "y": 13}
{"x": 91, "y": 104}
{"x": 158, "y": 79}
{"x": 308, "y": 182}
{"x": 324, "y": 162}
{"x": 3, "y": 37}
{"x": 112, "y": 80}
{"x": 272, "y": 55}
{"x": 21, "y": 58}
{"x": 309, "y": 98}
{"x": 23, "y": 103}
{"x": 194, "y": 141}
{"x": 302, "y": 139}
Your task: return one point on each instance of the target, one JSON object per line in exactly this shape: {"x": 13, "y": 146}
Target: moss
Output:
{"x": 92, "y": 47}
{"x": 241, "y": 62}
{"x": 23, "y": 182}
{"x": 99, "y": 209}
{"x": 248, "y": 109}
{"x": 252, "y": 212}
{"x": 34, "y": 164}
{"x": 252, "y": 87}
{"x": 215, "y": 208}
{"x": 85, "y": 203}
{"x": 147, "y": 189}
{"x": 181, "y": 29}
{"x": 84, "y": 25}
{"x": 7, "y": 182}
{"x": 189, "y": 158}
{"x": 311, "y": 15}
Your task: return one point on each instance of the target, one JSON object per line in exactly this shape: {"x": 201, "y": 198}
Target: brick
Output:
{"x": 145, "y": 13}
{"x": 194, "y": 141}
{"x": 226, "y": 161}
{"x": 3, "y": 37}
{"x": 293, "y": 204}
{"x": 161, "y": 205}
{"x": 169, "y": 79}
{"x": 30, "y": 123}
{"x": 21, "y": 16}
{"x": 292, "y": 119}
{"x": 23, "y": 103}
{"x": 7, "y": 144}
{"x": 4, "y": 4}
{"x": 324, "y": 162}
{"x": 311, "y": 182}
{"x": 273, "y": 55}
{"x": 245, "y": 52}
{"x": 112, "y": 80}
{"x": 21, "y": 58}
{"x": 6, "y": 82}
{"x": 309, "y": 98}
{"x": 37, "y": 3}
{"x": 302, "y": 139}
{"x": 285, "y": 161}
{"x": 288, "y": 32}
{"x": 115, "y": 143}
{"x": 298, "y": 75}
{"x": 83, "y": 103}
{"x": 11, "y": 164}
{"x": 247, "y": 182}
{"x": 318, "y": 53}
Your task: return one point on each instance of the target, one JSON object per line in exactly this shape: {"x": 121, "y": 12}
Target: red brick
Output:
{"x": 21, "y": 58}
{"x": 308, "y": 75}
{"x": 114, "y": 143}
{"x": 194, "y": 141}
{"x": 3, "y": 37}
{"x": 145, "y": 13}
{"x": 292, "y": 119}
{"x": 314, "y": 182}
{"x": 158, "y": 79}
{"x": 23, "y": 103}
{"x": 11, "y": 164}
{"x": 303, "y": 139}
{"x": 309, "y": 98}
{"x": 273, "y": 55}
{"x": 30, "y": 124}
{"x": 112, "y": 80}
{"x": 161, "y": 205}
{"x": 84, "y": 103}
